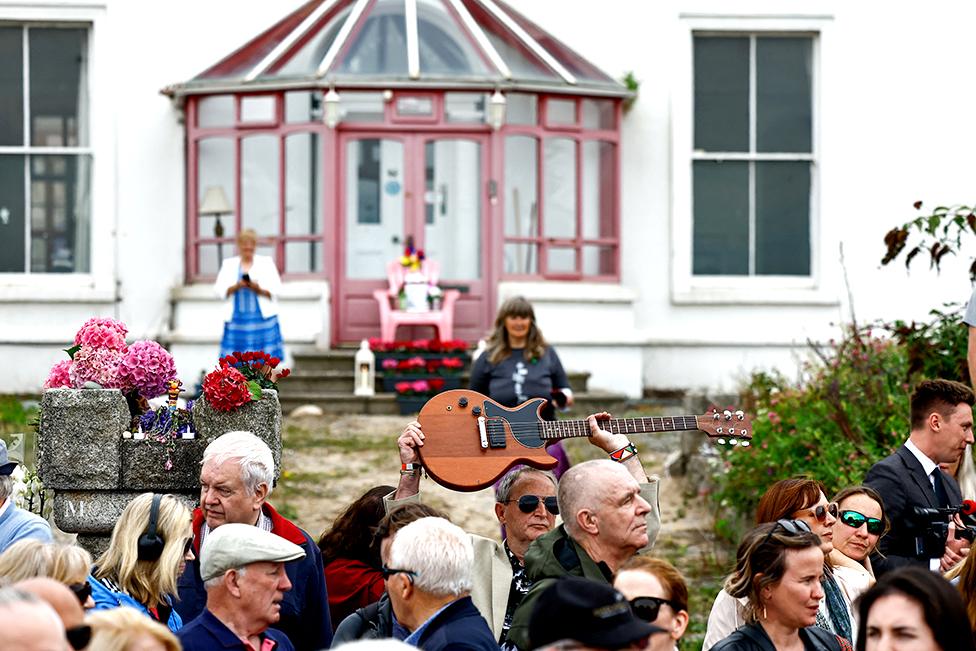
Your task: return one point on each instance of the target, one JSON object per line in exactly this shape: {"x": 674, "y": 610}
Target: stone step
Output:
{"x": 335, "y": 381}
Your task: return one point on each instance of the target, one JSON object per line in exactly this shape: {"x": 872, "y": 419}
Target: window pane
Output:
{"x": 60, "y": 213}
{"x": 783, "y": 218}
{"x": 465, "y": 107}
{"x": 208, "y": 256}
{"x": 12, "y": 214}
{"x": 215, "y": 169}
{"x": 361, "y": 107}
{"x": 215, "y": 111}
{"x": 597, "y": 114}
{"x": 374, "y": 206}
{"x": 560, "y": 188}
{"x": 260, "y": 108}
{"x": 260, "y": 187}
{"x": 452, "y": 198}
{"x": 303, "y": 184}
{"x": 58, "y": 87}
{"x": 722, "y": 94}
{"x": 414, "y": 106}
{"x": 380, "y": 47}
{"x": 520, "y": 201}
{"x": 308, "y": 58}
{"x": 521, "y": 258}
{"x": 303, "y": 257}
{"x": 521, "y": 108}
{"x": 303, "y": 106}
{"x": 783, "y": 94}
{"x": 561, "y": 260}
{"x": 561, "y": 111}
{"x": 11, "y": 89}
{"x": 721, "y": 214}
{"x": 598, "y": 189}
{"x": 444, "y": 50}
{"x": 598, "y": 261}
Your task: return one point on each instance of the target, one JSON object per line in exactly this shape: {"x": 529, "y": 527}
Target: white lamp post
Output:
{"x": 496, "y": 110}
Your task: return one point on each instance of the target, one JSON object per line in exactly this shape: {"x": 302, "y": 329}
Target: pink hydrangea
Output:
{"x": 59, "y": 376}
{"x": 102, "y": 333}
{"x": 101, "y": 365}
{"x": 147, "y": 367}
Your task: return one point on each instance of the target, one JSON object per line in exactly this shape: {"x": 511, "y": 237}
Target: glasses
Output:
{"x": 188, "y": 546}
{"x": 78, "y": 636}
{"x": 82, "y": 591}
{"x": 854, "y": 520}
{"x": 791, "y": 527}
{"x": 529, "y": 503}
{"x": 820, "y": 511}
{"x": 647, "y": 608}
{"x": 390, "y": 571}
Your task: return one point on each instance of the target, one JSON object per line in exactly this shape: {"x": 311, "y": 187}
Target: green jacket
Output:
{"x": 551, "y": 556}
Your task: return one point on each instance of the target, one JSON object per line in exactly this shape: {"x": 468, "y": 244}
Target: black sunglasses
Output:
{"x": 78, "y": 636}
{"x": 82, "y": 591}
{"x": 529, "y": 503}
{"x": 854, "y": 520}
{"x": 791, "y": 527}
{"x": 647, "y": 608}
{"x": 187, "y": 546}
{"x": 390, "y": 571}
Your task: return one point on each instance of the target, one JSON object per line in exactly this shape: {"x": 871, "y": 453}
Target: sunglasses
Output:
{"x": 390, "y": 571}
{"x": 529, "y": 503}
{"x": 820, "y": 511}
{"x": 854, "y": 520}
{"x": 791, "y": 527}
{"x": 647, "y": 608}
{"x": 78, "y": 636}
{"x": 82, "y": 591}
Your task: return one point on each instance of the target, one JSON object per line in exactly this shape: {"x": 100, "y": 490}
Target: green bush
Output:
{"x": 849, "y": 410}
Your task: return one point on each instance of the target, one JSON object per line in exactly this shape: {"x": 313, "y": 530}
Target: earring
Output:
{"x": 764, "y": 612}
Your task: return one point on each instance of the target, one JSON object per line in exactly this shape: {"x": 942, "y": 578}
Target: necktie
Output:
{"x": 940, "y": 492}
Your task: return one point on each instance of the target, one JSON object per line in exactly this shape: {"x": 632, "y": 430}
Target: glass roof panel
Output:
{"x": 380, "y": 47}
{"x": 311, "y": 48}
{"x": 522, "y": 63}
{"x": 444, "y": 46}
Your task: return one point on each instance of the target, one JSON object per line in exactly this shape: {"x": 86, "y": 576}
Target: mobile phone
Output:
{"x": 246, "y": 277}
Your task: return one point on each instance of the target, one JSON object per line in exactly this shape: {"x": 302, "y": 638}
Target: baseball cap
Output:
{"x": 7, "y": 466}
{"x": 586, "y": 611}
{"x": 236, "y": 545}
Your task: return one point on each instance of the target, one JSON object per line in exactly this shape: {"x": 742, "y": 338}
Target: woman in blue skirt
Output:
{"x": 250, "y": 283}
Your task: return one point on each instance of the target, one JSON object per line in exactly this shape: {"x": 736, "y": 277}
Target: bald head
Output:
{"x": 58, "y": 596}
{"x": 29, "y": 624}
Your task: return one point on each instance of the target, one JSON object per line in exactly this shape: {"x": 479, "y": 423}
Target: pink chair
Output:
{"x": 391, "y": 316}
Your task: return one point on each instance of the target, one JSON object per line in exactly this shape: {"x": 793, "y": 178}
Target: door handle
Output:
{"x": 395, "y": 239}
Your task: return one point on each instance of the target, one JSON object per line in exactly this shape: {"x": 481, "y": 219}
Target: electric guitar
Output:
{"x": 470, "y": 440}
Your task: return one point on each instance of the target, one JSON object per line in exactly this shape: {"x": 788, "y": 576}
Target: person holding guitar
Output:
{"x": 518, "y": 364}
{"x": 526, "y": 505}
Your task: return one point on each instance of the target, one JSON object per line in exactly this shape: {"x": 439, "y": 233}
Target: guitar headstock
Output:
{"x": 726, "y": 426}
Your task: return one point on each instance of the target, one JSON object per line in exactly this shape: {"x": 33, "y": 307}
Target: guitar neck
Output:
{"x": 562, "y": 429}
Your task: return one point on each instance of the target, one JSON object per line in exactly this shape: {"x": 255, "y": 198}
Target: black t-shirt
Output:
{"x": 514, "y": 379}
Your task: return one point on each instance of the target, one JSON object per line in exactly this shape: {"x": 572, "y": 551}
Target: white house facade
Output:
{"x": 709, "y": 225}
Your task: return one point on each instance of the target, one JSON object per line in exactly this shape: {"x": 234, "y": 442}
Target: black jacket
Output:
{"x": 752, "y": 637}
{"x": 458, "y": 627}
{"x": 372, "y": 622}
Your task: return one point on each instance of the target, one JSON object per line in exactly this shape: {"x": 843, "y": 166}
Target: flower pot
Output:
{"x": 390, "y": 381}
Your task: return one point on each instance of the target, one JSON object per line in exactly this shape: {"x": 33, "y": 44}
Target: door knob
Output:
{"x": 395, "y": 239}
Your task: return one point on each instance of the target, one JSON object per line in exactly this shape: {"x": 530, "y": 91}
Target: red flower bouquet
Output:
{"x": 226, "y": 389}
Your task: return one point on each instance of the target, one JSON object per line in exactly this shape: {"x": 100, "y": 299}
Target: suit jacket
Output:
{"x": 459, "y": 626}
{"x": 903, "y": 484}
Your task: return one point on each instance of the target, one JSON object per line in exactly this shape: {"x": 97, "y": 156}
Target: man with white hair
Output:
{"x": 16, "y": 523}
{"x": 429, "y": 582}
{"x": 235, "y": 480}
{"x": 29, "y": 624}
{"x": 243, "y": 569}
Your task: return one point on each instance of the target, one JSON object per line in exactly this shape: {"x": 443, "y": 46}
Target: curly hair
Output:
{"x": 498, "y": 347}
{"x": 352, "y": 532}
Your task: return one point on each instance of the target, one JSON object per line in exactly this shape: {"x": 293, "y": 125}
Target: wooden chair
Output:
{"x": 391, "y": 316}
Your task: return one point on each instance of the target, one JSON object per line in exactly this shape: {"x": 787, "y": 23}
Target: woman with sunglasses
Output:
{"x": 801, "y": 499}
{"x": 861, "y": 522}
{"x": 70, "y": 565}
{"x": 138, "y": 571}
{"x": 777, "y": 575}
{"x": 658, "y": 594}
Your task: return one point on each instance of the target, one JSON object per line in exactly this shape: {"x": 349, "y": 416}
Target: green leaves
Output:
{"x": 71, "y": 351}
{"x": 255, "y": 388}
{"x": 941, "y": 232}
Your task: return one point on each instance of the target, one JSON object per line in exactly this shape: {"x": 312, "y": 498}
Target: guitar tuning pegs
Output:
{"x": 731, "y": 431}
{"x": 718, "y": 430}
{"x": 733, "y": 442}
{"x": 727, "y": 414}
{"x": 745, "y": 444}
{"x": 715, "y": 416}
{"x": 721, "y": 441}
{"x": 740, "y": 415}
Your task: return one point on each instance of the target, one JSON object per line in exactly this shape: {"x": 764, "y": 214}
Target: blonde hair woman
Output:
{"x": 123, "y": 629}
{"x": 70, "y": 564}
{"x": 25, "y": 559}
{"x": 150, "y": 545}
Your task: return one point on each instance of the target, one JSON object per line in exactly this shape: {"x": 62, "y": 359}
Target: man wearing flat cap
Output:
{"x": 586, "y": 615}
{"x": 16, "y": 523}
{"x": 243, "y": 569}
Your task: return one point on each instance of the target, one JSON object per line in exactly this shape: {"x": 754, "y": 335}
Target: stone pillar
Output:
{"x": 95, "y": 472}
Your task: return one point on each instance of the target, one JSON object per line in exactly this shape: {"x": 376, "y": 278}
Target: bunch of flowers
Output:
{"x": 167, "y": 425}
{"x": 59, "y": 376}
{"x": 418, "y": 346}
{"x": 419, "y": 387}
{"x": 102, "y": 333}
{"x": 99, "y": 365}
{"x": 226, "y": 389}
{"x": 146, "y": 368}
{"x": 412, "y": 257}
{"x": 257, "y": 366}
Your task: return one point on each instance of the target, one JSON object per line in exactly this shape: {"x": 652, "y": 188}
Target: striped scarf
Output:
{"x": 837, "y": 610}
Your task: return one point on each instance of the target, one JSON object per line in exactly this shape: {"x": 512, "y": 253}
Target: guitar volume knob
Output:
{"x": 462, "y": 402}
{"x": 476, "y": 411}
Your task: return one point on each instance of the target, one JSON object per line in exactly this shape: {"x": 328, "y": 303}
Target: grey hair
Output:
{"x": 219, "y": 580}
{"x": 438, "y": 553}
{"x": 6, "y": 486}
{"x": 503, "y": 490}
{"x": 254, "y": 456}
{"x": 580, "y": 488}
{"x": 10, "y": 596}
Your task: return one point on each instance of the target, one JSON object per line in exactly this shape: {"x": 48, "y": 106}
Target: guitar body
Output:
{"x": 453, "y": 454}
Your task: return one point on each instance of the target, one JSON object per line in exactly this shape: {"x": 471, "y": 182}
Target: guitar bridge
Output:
{"x": 483, "y": 432}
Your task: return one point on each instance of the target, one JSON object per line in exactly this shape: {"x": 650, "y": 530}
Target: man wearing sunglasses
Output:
{"x": 942, "y": 426}
{"x": 65, "y": 604}
{"x": 526, "y": 506}
{"x": 28, "y": 623}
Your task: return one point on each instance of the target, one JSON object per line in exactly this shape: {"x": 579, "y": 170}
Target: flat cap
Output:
{"x": 236, "y": 545}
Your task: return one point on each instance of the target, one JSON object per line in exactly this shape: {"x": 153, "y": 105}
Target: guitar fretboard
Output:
{"x": 561, "y": 429}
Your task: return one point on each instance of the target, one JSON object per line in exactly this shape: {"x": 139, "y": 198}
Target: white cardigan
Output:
{"x": 263, "y": 272}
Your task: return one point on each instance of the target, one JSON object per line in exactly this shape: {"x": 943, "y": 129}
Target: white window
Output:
{"x": 45, "y": 152}
{"x": 746, "y": 227}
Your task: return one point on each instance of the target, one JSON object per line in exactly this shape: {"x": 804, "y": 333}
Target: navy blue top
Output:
{"x": 206, "y": 632}
{"x": 459, "y": 626}
{"x": 514, "y": 380}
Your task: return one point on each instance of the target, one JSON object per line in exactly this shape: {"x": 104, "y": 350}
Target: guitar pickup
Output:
{"x": 483, "y": 432}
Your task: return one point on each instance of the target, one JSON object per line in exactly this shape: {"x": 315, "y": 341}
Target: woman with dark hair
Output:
{"x": 353, "y": 577}
{"x": 800, "y": 499}
{"x": 658, "y": 594}
{"x": 913, "y": 609}
{"x": 777, "y": 573}
{"x": 518, "y": 365}
{"x": 861, "y": 522}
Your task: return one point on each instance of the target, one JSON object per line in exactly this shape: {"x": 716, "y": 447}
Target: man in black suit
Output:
{"x": 942, "y": 425}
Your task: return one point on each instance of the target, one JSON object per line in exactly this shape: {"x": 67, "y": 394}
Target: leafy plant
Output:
{"x": 937, "y": 234}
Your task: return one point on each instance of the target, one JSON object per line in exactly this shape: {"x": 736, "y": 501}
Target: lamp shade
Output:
{"x": 214, "y": 202}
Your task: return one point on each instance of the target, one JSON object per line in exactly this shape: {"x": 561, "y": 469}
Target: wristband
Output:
{"x": 410, "y": 469}
{"x": 624, "y": 453}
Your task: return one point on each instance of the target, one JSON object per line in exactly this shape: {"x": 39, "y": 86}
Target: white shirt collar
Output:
{"x": 927, "y": 464}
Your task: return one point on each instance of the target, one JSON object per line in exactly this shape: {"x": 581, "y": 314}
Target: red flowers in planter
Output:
{"x": 226, "y": 389}
{"x": 418, "y": 346}
{"x": 419, "y": 387}
{"x": 240, "y": 377}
